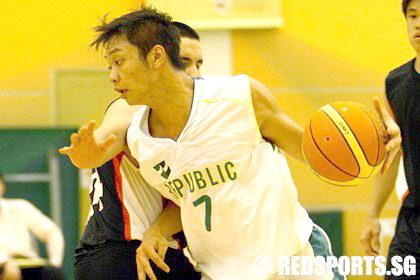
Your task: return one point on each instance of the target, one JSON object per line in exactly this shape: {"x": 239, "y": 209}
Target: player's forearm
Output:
{"x": 294, "y": 138}
{"x": 169, "y": 221}
{"x": 55, "y": 247}
{"x": 285, "y": 134}
{"x": 383, "y": 185}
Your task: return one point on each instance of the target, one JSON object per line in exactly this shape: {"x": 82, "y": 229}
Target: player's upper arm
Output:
{"x": 116, "y": 121}
{"x": 274, "y": 124}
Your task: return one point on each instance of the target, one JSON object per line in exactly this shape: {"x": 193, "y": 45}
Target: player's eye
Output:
{"x": 118, "y": 62}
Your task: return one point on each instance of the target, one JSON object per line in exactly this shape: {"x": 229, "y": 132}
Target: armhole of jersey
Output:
{"x": 116, "y": 163}
{"x": 131, "y": 138}
{"x": 252, "y": 107}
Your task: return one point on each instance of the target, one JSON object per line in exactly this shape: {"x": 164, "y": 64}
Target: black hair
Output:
{"x": 143, "y": 28}
{"x": 186, "y": 30}
{"x": 405, "y": 5}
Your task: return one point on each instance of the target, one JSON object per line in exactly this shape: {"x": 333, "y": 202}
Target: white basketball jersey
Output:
{"x": 123, "y": 204}
{"x": 236, "y": 194}
{"x": 142, "y": 204}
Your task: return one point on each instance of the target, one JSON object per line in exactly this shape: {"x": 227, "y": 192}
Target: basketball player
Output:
{"x": 246, "y": 215}
{"x": 253, "y": 208}
{"x": 124, "y": 206}
{"x": 403, "y": 98}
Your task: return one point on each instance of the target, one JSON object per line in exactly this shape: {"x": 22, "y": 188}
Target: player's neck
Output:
{"x": 170, "y": 112}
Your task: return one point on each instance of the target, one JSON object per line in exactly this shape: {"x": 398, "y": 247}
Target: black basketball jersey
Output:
{"x": 403, "y": 93}
{"x": 123, "y": 205}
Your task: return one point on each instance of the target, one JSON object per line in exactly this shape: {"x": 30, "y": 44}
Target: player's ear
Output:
{"x": 156, "y": 56}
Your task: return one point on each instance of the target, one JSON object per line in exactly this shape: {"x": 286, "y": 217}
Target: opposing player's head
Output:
{"x": 405, "y": 5}
{"x": 411, "y": 10}
{"x": 190, "y": 52}
{"x": 139, "y": 46}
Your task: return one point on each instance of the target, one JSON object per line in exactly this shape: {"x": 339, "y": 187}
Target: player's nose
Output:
{"x": 113, "y": 76}
{"x": 193, "y": 71}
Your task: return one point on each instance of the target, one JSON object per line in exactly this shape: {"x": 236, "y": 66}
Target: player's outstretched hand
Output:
{"x": 153, "y": 247}
{"x": 393, "y": 134}
{"x": 370, "y": 237}
{"x": 85, "y": 151}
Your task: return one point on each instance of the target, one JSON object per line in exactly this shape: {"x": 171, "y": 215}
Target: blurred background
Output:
{"x": 309, "y": 53}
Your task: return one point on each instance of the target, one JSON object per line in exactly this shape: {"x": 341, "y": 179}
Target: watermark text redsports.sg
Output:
{"x": 354, "y": 265}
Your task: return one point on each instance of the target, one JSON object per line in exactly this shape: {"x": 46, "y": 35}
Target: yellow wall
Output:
{"x": 327, "y": 51}
{"x": 38, "y": 36}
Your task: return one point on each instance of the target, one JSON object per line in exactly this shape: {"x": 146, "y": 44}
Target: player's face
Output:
{"x": 191, "y": 55}
{"x": 130, "y": 73}
{"x": 413, "y": 24}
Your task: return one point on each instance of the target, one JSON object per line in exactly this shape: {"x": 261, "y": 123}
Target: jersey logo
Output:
{"x": 96, "y": 192}
{"x": 165, "y": 172}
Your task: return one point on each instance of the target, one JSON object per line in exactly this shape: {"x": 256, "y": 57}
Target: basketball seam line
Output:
{"x": 319, "y": 149}
{"x": 357, "y": 140}
{"x": 378, "y": 136}
{"x": 358, "y": 143}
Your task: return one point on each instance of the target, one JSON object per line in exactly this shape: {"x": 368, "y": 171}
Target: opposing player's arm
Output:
{"x": 384, "y": 182}
{"x": 90, "y": 148}
{"x": 383, "y": 185}
{"x": 274, "y": 124}
{"x": 116, "y": 121}
{"x": 392, "y": 131}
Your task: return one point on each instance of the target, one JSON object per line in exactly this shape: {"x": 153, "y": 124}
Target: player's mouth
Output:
{"x": 120, "y": 90}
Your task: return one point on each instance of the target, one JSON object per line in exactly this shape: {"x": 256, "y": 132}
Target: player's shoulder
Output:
{"x": 18, "y": 204}
{"x": 223, "y": 87}
{"x": 400, "y": 72}
{"x": 221, "y": 80}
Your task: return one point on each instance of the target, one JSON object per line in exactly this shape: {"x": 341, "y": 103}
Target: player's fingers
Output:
{"x": 388, "y": 160}
{"x": 148, "y": 269}
{"x": 74, "y": 139}
{"x": 91, "y": 126}
{"x": 153, "y": 255}
{"x": 108, "y": 142}
{"x": 143, "y": 261}
{"x": 63, "y": 151}
{"x": 385, "y": 166}
{"x": 162, "y": 248}
{"x": 366, "y": 240}
{"x": 394, "y": 138}
{"x": 392, "y": 144}
{"x": 378, "y": 107}
{"x": 83, "y": 132}
{"x": 141, "y": 274}
{"x": 393, "y": 131}
{"x": 376, "y": 245}
{"x": 159, "y": 262}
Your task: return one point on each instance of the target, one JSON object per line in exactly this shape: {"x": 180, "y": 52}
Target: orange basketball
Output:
{"x": 343, "y": 143}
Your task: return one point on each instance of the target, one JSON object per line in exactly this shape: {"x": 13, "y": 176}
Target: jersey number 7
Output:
{"x": 207, "y": 200}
